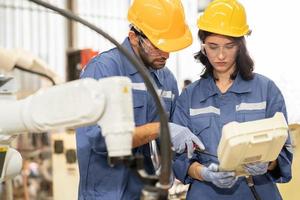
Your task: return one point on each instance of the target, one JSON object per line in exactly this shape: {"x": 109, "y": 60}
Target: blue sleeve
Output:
{"x": 180, "y": 116}
{"x": 275, "y": 103}
{"x": 100, "y": 67}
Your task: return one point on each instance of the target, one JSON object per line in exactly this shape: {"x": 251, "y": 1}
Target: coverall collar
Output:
{"x": 239, "y": 86}
{"x": 208, "y": 88}
{"x": 158, "y": 74}
{"x": 132, "y": 70}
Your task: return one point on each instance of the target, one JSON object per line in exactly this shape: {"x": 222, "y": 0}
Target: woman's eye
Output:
{"x": 229, "y": 47}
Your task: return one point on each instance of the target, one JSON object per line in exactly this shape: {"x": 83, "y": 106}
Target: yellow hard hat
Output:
{"x": 163, "y": 22}
{"x": 225, "y": 17}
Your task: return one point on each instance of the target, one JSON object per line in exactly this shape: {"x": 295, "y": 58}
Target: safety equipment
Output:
{"x": 215, "y": 50}
{"x": 183, "y": 139}
{"x": 257, "y": 168}
{"x": 224, "y": 17}
{"x": 163, "y": 22}
{"x": 220, "y": 179}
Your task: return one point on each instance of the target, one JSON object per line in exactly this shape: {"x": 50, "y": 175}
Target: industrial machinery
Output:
{"x": 55, "y": 108}
{"x": 23, "y": 60}
{"x": 97, "y": 102}
{"x": 76, "y": 61}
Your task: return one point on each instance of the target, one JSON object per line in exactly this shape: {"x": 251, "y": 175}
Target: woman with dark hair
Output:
{"x": 244, "y": 63}
{"x": 227, "y": 91}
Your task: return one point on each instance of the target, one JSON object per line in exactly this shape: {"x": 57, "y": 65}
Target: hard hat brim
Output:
{"x": 171, "y": 45}
{"x": 223, "y": 31}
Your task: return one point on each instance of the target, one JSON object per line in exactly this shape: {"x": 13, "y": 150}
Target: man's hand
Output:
{"x": 182, "y": 138}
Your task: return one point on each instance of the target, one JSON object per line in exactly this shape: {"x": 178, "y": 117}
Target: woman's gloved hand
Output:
{"x": 183, "y": 139}
{"x": 257, "y": 168}
{"x": 220, "y": 179}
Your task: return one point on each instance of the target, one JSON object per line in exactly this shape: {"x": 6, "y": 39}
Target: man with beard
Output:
{"x": 156, "y": 29}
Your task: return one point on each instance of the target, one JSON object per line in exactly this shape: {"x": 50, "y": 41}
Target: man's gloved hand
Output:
{"x": 257, "y": 168}
{"x": 220, "y": 179}
{"x": 182, "y": 138}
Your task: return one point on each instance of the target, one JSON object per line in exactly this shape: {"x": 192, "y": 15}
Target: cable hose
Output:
{"x": 250, "y": 183}
{"x": 201, "y": 151}
{"x": 37, "y": 73}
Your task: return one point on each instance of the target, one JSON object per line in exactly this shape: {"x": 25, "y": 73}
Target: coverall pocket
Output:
{"x": 168, "y": 105}
{"x": 201, "y": 129}
{"x": 139, "y": 101}
{"x": 108, "y": 186}
{"x": 200, "y": 124}
{"x": 244, "y": 116}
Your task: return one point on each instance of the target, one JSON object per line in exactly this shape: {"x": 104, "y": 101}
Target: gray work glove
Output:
{"x": 220, "y": 179}
{"x": 257, "y": 168}
{"x": 183, "y": 139}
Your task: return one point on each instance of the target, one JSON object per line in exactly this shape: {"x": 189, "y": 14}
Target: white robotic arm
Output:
{"x": 107, "y": 102}
{"x": 10, "y": 58}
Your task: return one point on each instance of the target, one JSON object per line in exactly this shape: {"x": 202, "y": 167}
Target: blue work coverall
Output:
{"x": 205, "y": 110}
{"x": 97, "y": 179}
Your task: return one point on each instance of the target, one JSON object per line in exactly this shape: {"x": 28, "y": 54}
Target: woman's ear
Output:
{"x": 203, "y": 49}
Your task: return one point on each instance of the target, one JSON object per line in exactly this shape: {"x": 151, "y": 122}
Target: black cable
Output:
{"x": 200, "y": 151}
{"x": 250, "y": 183}
{"x": 165, "y": 144}
{"x": 37, "y": 73}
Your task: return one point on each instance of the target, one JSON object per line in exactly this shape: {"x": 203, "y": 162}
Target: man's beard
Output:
{"x": 152, "y": 64}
